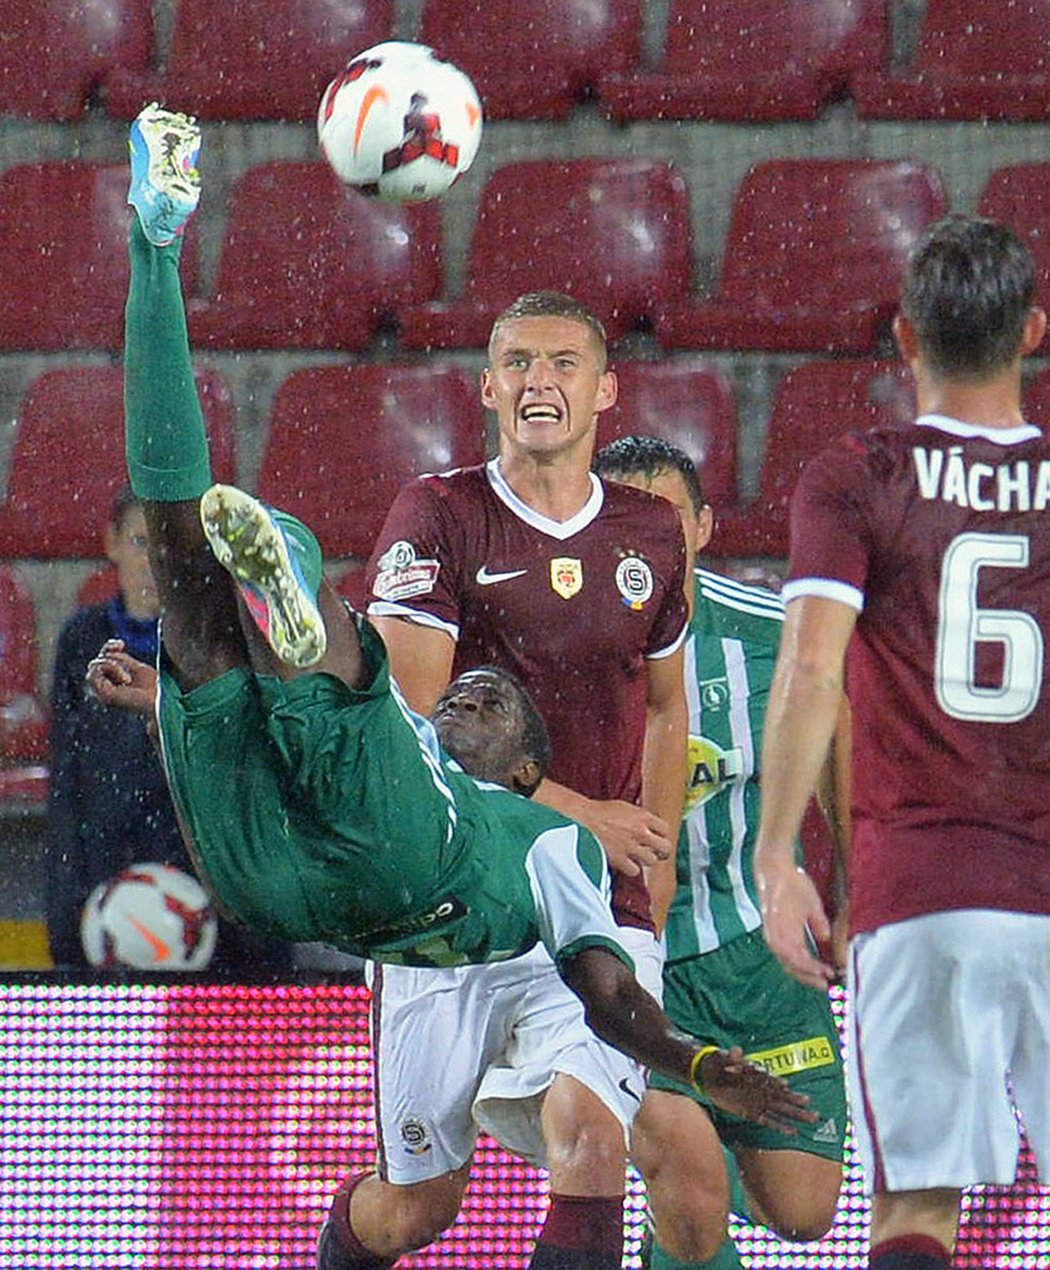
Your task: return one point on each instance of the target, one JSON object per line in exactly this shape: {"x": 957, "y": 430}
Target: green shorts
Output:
{"x": 740, "y": 995}
{"x": 294, "y": 795}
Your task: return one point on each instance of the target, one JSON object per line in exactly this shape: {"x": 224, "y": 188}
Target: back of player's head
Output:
{"x": 967, "y": 290}
{"x": 648, "y": 457}
{"x": 551, "y": 304}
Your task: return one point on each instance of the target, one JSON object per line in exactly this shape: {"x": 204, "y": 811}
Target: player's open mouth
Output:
{"x": 540, "y": 413}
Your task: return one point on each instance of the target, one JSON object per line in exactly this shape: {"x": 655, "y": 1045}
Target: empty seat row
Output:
{"x": 722, "y": 59}
{"x": 341, "y": 440}
{"x": 812, "y": 259}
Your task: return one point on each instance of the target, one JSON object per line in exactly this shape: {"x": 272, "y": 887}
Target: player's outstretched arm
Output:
{"x": 624, "y": 1015}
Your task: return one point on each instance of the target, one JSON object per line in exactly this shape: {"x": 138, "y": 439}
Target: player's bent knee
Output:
{"x": 418, "y": 1219}
{"x": 690, "y": 1237}
{"x": 799, "y": 1218}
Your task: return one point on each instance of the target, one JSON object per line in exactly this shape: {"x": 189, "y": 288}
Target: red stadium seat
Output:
{"x": 1019, "y": 196}
{"x": 308, "y": 263}
{"x": 240, "y": 59}
{"x": 813, "y": 404}
{"x": 55, "y": 53}
{"x": 573, "y": 41}
{"x": 23, "y": 724}
{"x": 614, "y": 233}
{"x": 687, "y": 402}
{"x": 67, "y": 461}
{"x": 344, "y": 439}
{"x": 975, "y": 59}
{"x": 751, "y": 60}
{"x": 64, "y": 256}
{"x": 813, "y": 258}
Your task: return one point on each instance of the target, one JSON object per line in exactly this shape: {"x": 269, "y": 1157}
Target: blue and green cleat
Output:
{"x": 277, "y": 564}
{"x": 165, "y": 183}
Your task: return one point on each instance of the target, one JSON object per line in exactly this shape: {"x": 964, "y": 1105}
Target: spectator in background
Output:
{"x": 109, "y": 805}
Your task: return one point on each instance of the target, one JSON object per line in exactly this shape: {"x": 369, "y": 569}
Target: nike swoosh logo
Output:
{"x": 370, "y": 98}
{"x": 160, "y": 950}
{"x": 628, "y": 1090}
{"x": 484, "y": 578}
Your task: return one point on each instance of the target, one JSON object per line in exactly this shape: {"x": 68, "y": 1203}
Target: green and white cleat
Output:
{"x": 277, "y": 564}
{"x": 165, "y": 182}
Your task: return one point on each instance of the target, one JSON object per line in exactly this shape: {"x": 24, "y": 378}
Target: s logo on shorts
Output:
{"x": 415, "y": 1136}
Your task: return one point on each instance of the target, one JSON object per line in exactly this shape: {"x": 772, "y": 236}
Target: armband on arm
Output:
{"x": 694, "y": 1068}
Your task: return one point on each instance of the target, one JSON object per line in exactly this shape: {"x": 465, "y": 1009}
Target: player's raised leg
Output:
{"x": 276, "y": 562}
{"x": 292, "y": 620}
{"x": 166, "y": 443}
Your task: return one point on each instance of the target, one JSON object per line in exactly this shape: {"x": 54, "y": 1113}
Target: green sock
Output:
{"x": 726, "y": 1258}
{"x": 166, "y": 444}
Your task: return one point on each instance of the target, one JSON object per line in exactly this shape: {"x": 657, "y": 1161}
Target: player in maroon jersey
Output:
{"x": 532, "y": 563}
{"x": 920, "y": 562}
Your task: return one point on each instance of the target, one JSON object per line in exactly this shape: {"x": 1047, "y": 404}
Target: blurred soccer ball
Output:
{"x": 150, "y": 917}
{"x": 400, "y": 124}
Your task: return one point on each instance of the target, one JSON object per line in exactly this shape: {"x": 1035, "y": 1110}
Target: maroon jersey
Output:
{"x": 940, "y": 535}
{"x": 572, "y": 608}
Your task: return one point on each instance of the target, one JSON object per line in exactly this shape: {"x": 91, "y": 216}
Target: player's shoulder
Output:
{"x": 636, "y": 509}
{"x": 454, "y": 484}
{"x": 724, "y": 607}
{"x": 629, "y": 500}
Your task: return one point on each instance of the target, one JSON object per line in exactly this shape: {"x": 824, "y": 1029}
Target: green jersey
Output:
{"x": 320, "y": 813}
{"x": 734, "y": 634}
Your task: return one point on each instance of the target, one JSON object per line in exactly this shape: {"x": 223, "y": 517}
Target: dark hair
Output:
{"x": 124, "y": 501}
{"x": 967, "y": 289}
{"x": 648, "y": 457}
{"x": 550, "y": 304}
{"x": 535, "y": 739}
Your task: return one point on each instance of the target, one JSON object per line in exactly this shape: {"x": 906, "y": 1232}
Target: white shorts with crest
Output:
{"x": 473, "y": 1049}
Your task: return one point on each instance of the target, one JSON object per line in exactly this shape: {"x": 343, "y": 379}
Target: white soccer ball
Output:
{"x": 149, "y": 917}
{"x": 400, "y": 124}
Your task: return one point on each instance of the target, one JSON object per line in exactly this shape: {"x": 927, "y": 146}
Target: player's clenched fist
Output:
{"x": 741, "y": 1088}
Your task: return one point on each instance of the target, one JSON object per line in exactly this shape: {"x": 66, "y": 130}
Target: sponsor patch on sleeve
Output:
{"x": 401, "y": 574}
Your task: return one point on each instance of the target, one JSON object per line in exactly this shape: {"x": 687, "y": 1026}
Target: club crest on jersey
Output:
{"x": 709, "y": 770}
{"x": 415, "y": 1136}
{"x": 566, "y": 576}
{"x": 400, "y": 573}
{"x": 634, "y": 581}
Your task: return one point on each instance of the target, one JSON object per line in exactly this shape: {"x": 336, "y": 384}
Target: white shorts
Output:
{"x": 474, "y": 1049}
{"x": 949, "y": 1031}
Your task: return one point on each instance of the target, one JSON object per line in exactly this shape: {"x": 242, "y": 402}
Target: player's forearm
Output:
{"x": 663, "y": 791}
{"x": 620, "y": 1011}
{"x": 800, "y": 721}
{"x": 562, "y": 798}
{"x": 833, "y": 795}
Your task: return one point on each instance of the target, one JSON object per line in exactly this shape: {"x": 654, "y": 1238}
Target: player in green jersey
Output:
{"x": 719, "y": 977}
{"x": 316, "y": 803}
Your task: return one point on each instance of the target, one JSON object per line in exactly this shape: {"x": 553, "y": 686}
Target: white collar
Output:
{"x": 560, "y": 529}
{"x": 957, "y": 428}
